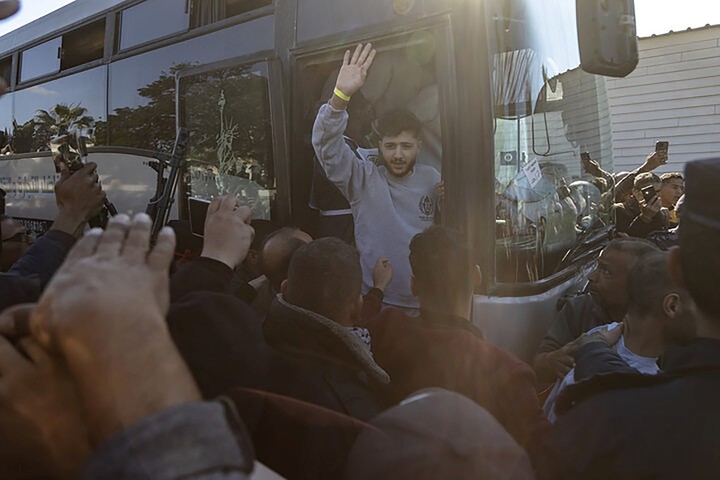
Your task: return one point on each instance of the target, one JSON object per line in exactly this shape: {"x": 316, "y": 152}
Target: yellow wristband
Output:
{"x": 341, "y": 95}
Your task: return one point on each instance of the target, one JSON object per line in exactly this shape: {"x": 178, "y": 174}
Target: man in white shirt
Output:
{"x": 655, "y": 315}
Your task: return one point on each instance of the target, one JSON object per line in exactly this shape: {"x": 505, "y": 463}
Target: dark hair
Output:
{"x": 643, "y": 180}
{"x": 635, "y": 247}
{"x": 700, "y": 260}
{"x": 324, "y": 277}
{"x": 649, "y": 282}
{"x": 263, "y": 229}
{"x": 398, "y": 121}
{"x": 666, "y": 177}
{"x": 441, "y": 266}
{"x": 277, "y": 271}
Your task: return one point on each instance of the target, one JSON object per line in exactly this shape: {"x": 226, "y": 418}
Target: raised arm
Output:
{"x": 341, "y": 165}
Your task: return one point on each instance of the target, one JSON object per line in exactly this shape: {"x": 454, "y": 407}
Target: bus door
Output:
{"x": 411, "y": 71}
{"x": 233, "y": 111}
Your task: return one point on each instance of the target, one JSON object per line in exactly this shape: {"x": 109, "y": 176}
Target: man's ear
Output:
{"x": 675, "y": 267}
{"x": 283, "y": 287}
{"x": 671, "y": 305}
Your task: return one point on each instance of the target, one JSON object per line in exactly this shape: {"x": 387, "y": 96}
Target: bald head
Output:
{"x": 277, "y": 252}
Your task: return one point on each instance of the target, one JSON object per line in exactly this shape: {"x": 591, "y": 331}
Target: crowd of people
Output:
{"x": 317, "y": 359}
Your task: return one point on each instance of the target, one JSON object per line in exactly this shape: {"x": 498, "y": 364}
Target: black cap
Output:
{"x": 702, "y": 202}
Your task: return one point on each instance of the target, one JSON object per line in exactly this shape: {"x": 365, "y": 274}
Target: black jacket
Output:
{"x": 577, "y": 315}
{"x": 25, "y": 281}
{"x": 630, "y": 426}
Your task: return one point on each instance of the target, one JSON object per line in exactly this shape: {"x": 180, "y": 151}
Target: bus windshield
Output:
{"x": 547, "y": 113}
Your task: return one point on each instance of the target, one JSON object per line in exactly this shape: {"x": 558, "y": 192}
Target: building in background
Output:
{"x": 673, "y": 95}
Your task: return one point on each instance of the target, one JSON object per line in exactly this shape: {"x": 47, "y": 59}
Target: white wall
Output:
{"x": 673, "y": 95}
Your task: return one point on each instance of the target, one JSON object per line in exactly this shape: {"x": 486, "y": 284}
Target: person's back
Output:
{"x": 664, "y": 426}
{"x": 310, "y": 325}
{"x": 442, "y": 348}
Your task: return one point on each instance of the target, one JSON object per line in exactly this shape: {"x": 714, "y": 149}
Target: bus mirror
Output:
{"x": 607, "y": 37}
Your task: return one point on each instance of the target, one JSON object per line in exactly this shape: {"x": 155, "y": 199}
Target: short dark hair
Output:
{"x": 648, "y": 283}
{"x": 398, "y": 121}
{"x": 635, "y": 247}
{"x": 666, "y": 177}
{"x": 276, "y": 272}
{"x": 700, "y": 260}
{"x": 324, "y": 277}
{"x": 643, "y": 180}
{"x": 441, "y": 266}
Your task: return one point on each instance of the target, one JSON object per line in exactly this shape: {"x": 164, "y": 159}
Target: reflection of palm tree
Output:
{"x": 48, "y": 123}
{"x": 225, "y": 138}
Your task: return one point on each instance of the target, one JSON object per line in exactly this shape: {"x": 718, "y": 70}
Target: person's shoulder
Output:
{"x": 427, "y": 170}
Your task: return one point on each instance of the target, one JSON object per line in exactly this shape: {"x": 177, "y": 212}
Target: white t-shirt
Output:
{"x": 646, "y": 365}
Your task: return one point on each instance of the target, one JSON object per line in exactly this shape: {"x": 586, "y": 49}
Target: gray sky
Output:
{"x": 653, "y": 16}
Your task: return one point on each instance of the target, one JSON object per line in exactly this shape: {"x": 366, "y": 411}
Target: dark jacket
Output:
{"x": 449, "y": 352}
{"x": 630, "y": 426}
{"x": 576, "y": 316}
{"x": 25, "y": 281}
{"x": 627, "y": 220}
{"x": 339, "y": 370}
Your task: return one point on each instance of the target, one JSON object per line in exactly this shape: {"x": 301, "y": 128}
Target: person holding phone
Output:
{"x": 643, "y": 212}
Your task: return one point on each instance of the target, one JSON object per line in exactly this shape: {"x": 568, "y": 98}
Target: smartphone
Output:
{"x": 197, "y": 208}
{"x": 649, "y": 194}
{"x": 662, "y": 146}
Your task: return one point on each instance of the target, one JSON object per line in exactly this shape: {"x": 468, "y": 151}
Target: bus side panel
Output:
{"x": 127, "y": 180}
{"x": 518, "y": 324}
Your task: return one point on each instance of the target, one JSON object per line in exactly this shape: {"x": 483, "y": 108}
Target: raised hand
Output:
{"x": 79, "y": 197}
{"x": 42, "y": 428}
{"x": 382, "y": 273}
{"x": 354, "y": 70}
{"x": 228, "y": 234}
{"x": 104, "y": 312}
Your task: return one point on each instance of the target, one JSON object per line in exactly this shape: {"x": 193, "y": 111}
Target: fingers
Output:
{"x": 10, "y": 359}
{"x": 346, "y": 58}
{"x": 15, "y": 321}
{"x": 365, "y": 55}
{"x": 214, "y": 205}
{"x": 137, "y": 244}
{"x": 162, "y": 254}
{"x": 86, "y": 246}
{"x": 245, "y": 214}
{"x": 112, "y": 239}
{"x": 356, "y": 54}
{"x": 228, "y": 203}
{"x": 37, "y": 354}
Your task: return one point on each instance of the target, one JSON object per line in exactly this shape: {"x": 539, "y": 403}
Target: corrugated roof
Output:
{"x": 689, "y": 29}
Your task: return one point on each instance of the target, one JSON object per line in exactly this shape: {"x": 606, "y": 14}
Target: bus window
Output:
{"x": 140, "y": 23}
{"x": 6, "y": 70}
{"x": 403, "y": 76}
{"x": 41, "y": 60}
{"x": 83, "y": 45}
{"x": 6, "y": 102}
{"x": 227, "y": 111}
{"x": 77, "y": 101}
{"x": 547, "y": 112}
{"x": 205, "y": 12}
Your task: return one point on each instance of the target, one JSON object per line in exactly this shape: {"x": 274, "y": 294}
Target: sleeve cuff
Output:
{"x": 216, "y": 267}
{"x": 179, "y": 442}
{"x": 63, "y": 238}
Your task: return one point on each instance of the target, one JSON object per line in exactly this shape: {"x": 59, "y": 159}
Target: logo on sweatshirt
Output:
{"x": 427, "y": 208}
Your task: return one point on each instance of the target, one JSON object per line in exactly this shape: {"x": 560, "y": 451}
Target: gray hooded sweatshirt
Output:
{"x": 388, "y": 211}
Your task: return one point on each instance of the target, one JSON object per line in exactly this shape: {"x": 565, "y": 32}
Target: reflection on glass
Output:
{"x": 141, "y": 23}
{"x": 6, "y": 102}
{"x": 41, "y": 60}
{"x": 71, "y": 102}
{"x": 547, "y": 111}
{"x": 228, "y": 114}
{"x": 142, "y": 88}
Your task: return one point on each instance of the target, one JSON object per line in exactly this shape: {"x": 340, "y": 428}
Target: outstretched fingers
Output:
{"x": 369, "y": 60}
{"x": 137, "y": 243}
{"x": 162, "y": 254}
{"x": 356, "y": 54}
{"x": 86, "y": 246}
{"x": 346, "y": 58}
{"x": 112, "y": 240}
{"x": 364, "y": 54}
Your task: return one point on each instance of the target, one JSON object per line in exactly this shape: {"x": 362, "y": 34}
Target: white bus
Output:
{"x": 501, "y": 87}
